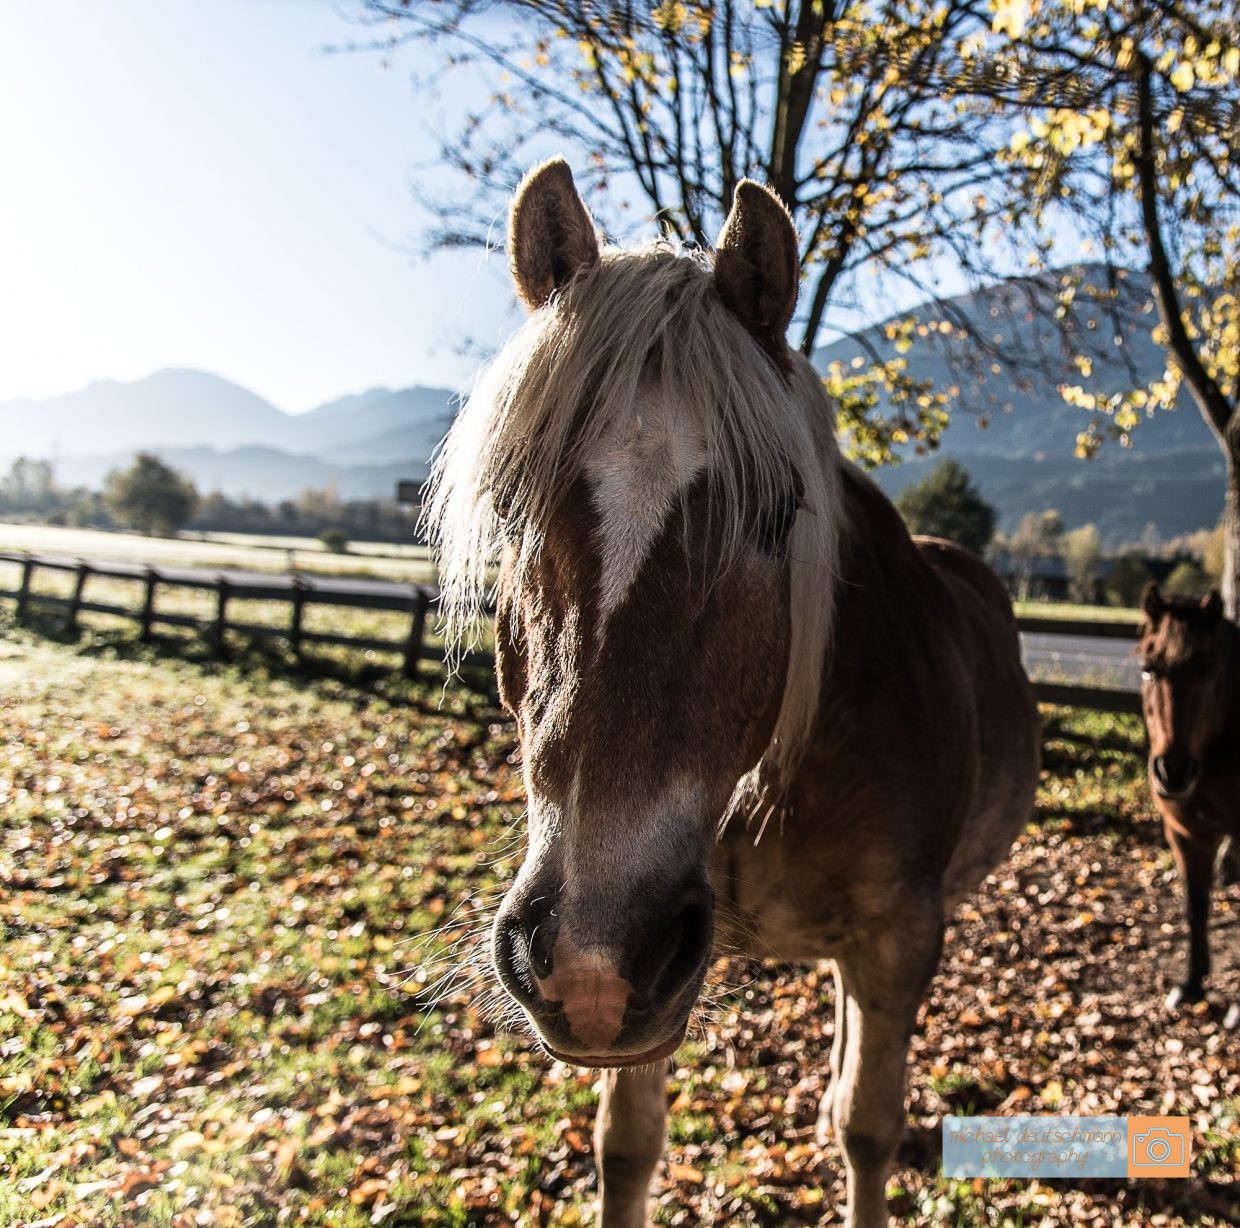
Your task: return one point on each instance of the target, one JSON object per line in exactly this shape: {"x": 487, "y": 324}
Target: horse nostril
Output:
{"x": 1176, "y": 777}
{"x": 509, "y": 941}
{"x": 523, "y": 945}
{"x": 541, "y": 947}
{"x": 688, "y": 937}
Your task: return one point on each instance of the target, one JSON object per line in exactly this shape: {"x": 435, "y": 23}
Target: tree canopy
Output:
{"x": 1134, "y": 134}
{"x": 911, "y": 139}
{"x": 841, "y": 107}
{"x": 150, "y": 496}
{"x": 947, "y": 504}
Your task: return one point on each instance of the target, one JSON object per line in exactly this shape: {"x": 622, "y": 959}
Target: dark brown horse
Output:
{"x": 1190, "y": 693}
{"x": 751, "y": 708}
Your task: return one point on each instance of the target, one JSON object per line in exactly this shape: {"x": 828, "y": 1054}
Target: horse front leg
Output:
{"x": 629, "y": 1132}
{"x": 885, "y": 982}
{"x": 1194, "y": 858}
{"x": 839, "y": 1043}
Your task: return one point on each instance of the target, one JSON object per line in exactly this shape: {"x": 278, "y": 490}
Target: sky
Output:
{"x": 203, "y": 185}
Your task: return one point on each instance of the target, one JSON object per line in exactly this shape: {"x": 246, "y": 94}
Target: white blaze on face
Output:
{"x": 615, "y": 840}
{"x": 641, "y": 467}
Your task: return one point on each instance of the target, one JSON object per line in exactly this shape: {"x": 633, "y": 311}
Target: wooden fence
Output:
{"x": 416, "y": 601}
{"x": 299, "y": 591}
{"x": 1101, "y": 699}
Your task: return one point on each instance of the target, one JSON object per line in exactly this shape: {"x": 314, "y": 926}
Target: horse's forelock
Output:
{"x": 640, "y": 327}
{"x": 1183, "y": 632}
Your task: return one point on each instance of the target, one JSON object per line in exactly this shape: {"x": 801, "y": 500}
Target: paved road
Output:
{"x": 1089, "y": 661}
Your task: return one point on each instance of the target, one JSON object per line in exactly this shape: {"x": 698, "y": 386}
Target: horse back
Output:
{"x": 961, "y": 567}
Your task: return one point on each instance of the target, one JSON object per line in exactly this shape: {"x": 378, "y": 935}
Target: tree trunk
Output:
{"x": 1222, "y": 414}
{"x": 1231, "y": 523}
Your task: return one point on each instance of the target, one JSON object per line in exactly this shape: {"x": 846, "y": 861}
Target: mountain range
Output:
{"x": 1016, "y": 434}
{"x": 1010, "y": 426}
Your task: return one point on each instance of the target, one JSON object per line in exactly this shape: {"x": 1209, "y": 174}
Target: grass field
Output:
{"x": 220, "y": 1005}
{"x": 1069, "y": 609}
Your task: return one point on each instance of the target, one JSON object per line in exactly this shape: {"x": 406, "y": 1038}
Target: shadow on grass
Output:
{"x": 473, "y": 686}
{"x": 1059, "y": 727}
{"x": 1093, "y": 822}
{"x": 1094, "y": 777}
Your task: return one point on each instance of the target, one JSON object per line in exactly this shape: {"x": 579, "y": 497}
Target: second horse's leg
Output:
{"x": 1194, "y": 858}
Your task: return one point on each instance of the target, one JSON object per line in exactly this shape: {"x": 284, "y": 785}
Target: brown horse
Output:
{"x": 1190, "y": 693}
{"x": 751, "y": 709}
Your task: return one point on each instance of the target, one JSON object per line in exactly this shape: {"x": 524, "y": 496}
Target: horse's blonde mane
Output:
{"x": 643, "y": 323}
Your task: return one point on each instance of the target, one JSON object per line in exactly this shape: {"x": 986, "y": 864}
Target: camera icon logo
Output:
{"x": 1159, "y": 1146}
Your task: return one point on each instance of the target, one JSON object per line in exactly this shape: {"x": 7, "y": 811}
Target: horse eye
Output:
{"x": 501, "y": 506}
{"x": 776, "y": 524}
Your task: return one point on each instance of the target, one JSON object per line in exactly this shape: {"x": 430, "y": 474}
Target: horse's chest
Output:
{"x": 779, "y": 900}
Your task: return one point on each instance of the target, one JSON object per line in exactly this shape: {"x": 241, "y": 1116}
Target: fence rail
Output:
{"x": 416, "y": 601}
{"x": 299, "y": 591}
{"x": 1107, "y": 638}
{"x": 1100, "y": 699}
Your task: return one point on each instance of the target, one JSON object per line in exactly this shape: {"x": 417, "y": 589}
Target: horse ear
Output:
{"x": 550, "y": 233}
{"x": 756, "y": 263}
{"x": 1152, "y": 604}
{"x": 1212, "y": 604}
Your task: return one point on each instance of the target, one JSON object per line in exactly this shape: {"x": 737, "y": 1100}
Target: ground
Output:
{"x": 232, "y": 890}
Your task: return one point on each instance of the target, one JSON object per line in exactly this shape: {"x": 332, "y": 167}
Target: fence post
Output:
{"x": 294, "y": 628}
{"x": 417, "y": 625}
{"x": 220, "y": 625}
{"x": 148, "y": 604}
{"x": 23, "y": 593}
{"x": 75, "y": 602}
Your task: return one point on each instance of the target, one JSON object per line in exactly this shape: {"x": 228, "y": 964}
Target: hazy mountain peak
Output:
{"x": 212, "y": 427}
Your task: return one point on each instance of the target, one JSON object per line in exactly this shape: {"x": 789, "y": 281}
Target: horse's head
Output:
{"x": 1183, "y": 687}
{"x": 640, "y": 461}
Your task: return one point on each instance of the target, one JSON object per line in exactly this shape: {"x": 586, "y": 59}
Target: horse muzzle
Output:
{"x": 615, "y": 999}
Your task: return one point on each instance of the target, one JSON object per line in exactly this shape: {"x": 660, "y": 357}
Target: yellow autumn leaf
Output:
{"x": 1011, "y": 17}
{"x": 14, "y": 1003}
{"x": 685, "y": 1173}
{"x": 183, "y": 1144}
